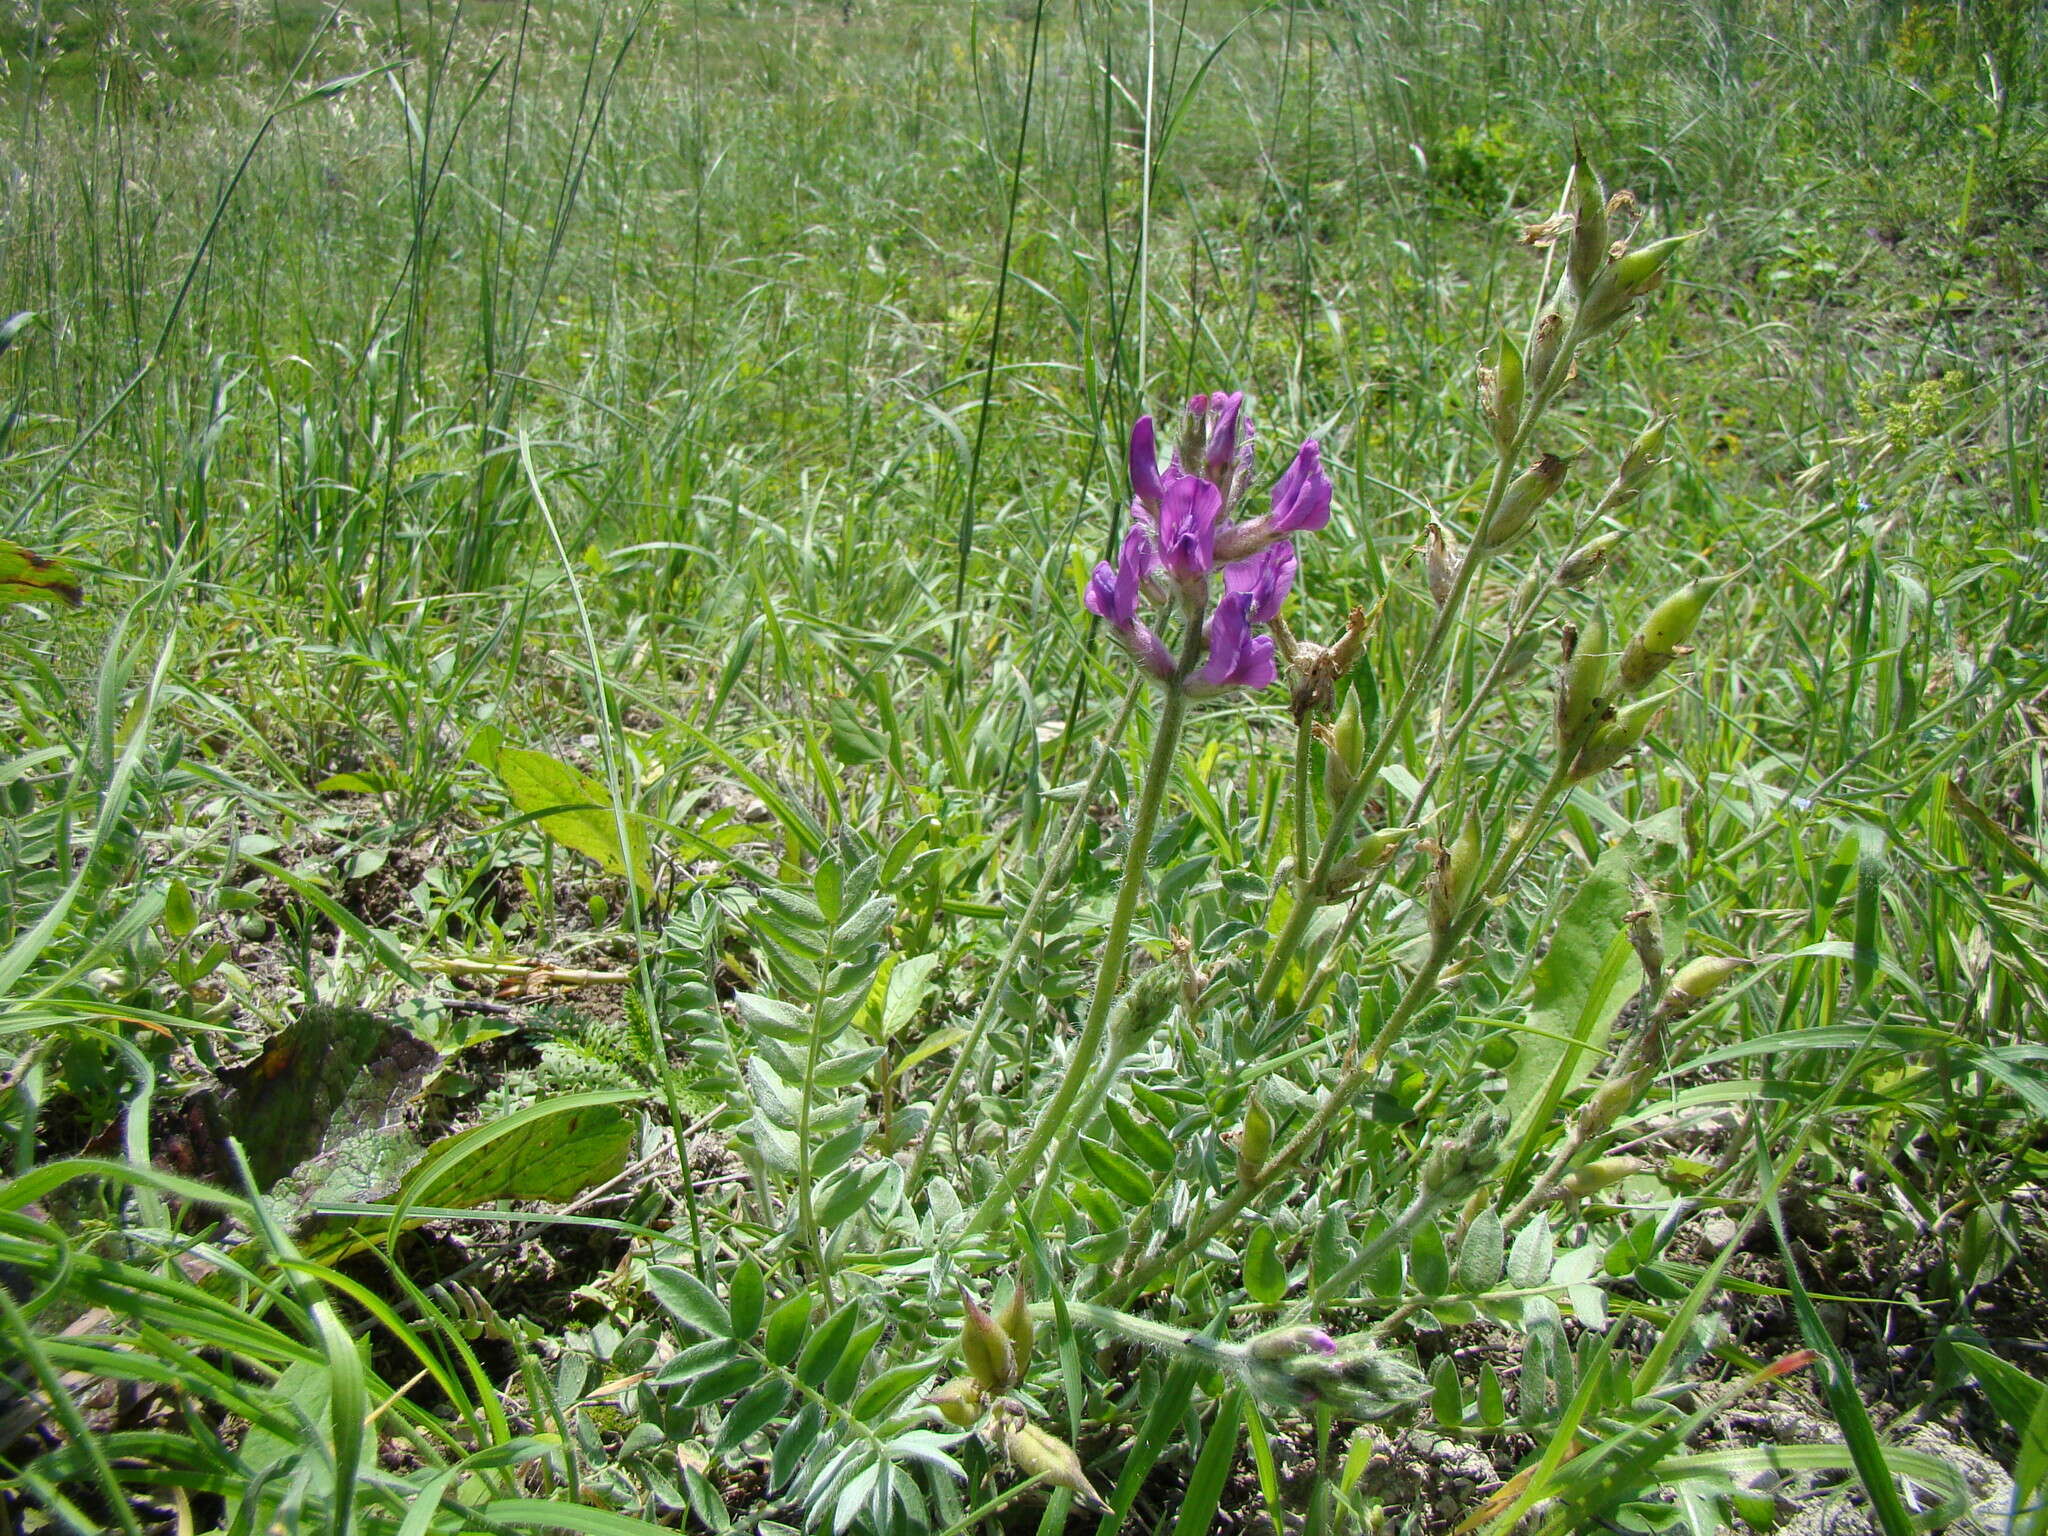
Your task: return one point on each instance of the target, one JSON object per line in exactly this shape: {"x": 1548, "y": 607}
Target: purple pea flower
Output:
{"x": 1237, "y": 657}
{"x": 1145, "y": 466}
{"x": 1113, "y": 593}
{"x": 1265, "y": 577}
{"x": 1300, "y": 504}
{"x": 1188, "y": 509}
{"x": 1221, "y": 456}
{"x": 1301, "y": 501}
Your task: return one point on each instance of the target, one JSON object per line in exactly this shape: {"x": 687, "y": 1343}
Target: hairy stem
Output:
{"x": 1027, "y": 922}
{"x": 1023, "y": 1165}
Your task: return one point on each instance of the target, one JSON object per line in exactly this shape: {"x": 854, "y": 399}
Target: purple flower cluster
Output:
{"x": 1182, "y": 529}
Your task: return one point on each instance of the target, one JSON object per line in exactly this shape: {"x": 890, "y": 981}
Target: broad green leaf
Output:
{"x": 574, "y": 809}
{"x": 690, "y": 1300}
{"x": 1533, "y": 1254}
{"x": 786, "y": 1328}
{"x": 822, "y": 1350}
{"x": 1446, "y": 1393}
{"x": 750, "y": 1415}
{"x": 747, "y": 1295}
{"x": 1119, "y": 1175}
{"x": 1577, "y": 988}
{"x": 1265, "y": 1277}
{"x": 553, "y": 1150}
{"x": 1428, "y": 1267}
{"x": 1480, "y": 1254}
{"x": 930, "y": 1046}
{"x": 910, "y": 983}
{"x": 2013, "y": 1394}
{"x": 1141, "y": 1136}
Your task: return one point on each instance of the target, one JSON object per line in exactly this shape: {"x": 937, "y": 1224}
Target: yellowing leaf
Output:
{"x": 574, "y": 809}
{"x": 27, "y": 577}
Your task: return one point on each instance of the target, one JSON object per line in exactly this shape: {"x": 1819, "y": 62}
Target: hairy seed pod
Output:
{"x": 1614, "y": 739}
{"x": 1580, "y": 681}
{"x": 1587, "y": 561}
{"x": 1661, "y": 639}
{"x": 1696, "y": 981}
{"x": 1545, "y": 349}
{"x": 1609, "y": 1102}
{"x": 1519, "y": 503}
{"x": 1643, "y": 458}
{"x": 1624, "y": 280}
{"x": 1600, "y": 1174}
{"x": 1254, "y": 1142}
{"x": 1508, "y": 382}
{"x": 1344, "y": 751}
{"x": 1015, "y": 1321}
{"x": 1375, "y": 849}
{"x": 1589, "y": 227}
{"x": 960, "y": 1400}
{"x": 985, "y": 1347}
{"x": 1036, "y": 1453}
{"x": 1440, "y": 560}
{"x": 1452, "y": 878}
{"x": 1646, "y": 934}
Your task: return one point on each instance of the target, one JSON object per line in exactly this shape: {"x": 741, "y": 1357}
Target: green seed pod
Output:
{"x": 1344, "y": 745}
{"x": 1614, "y": 739}
{"x": 1696, "y": 981}
{"x": 960, "y": 1400}
{"x": 1600, "y": 1174}
{"x": 1036, "y": 1453}
{"x": 1452, "y": 879}
{"x": 1580, "y": 681}
{"x": 1663, "y": 635}
{"x": 985, "y": 1347}
{"x": 1589, "y": 227}
{"x": 1517, "y": 510}
{"x": 1610, "y": 1101}
{"x": 1378, "y": 847}
{"x": 1623, "y": 281}
{"x": 1015, "y": 1321}
{"x": 1546, "y": 350}
{"x": 1645, "y": 455}
{"x": 1254, "y": 1142}
{"x": 1587, "y": 561}
{"x": 1501, "y": 394}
